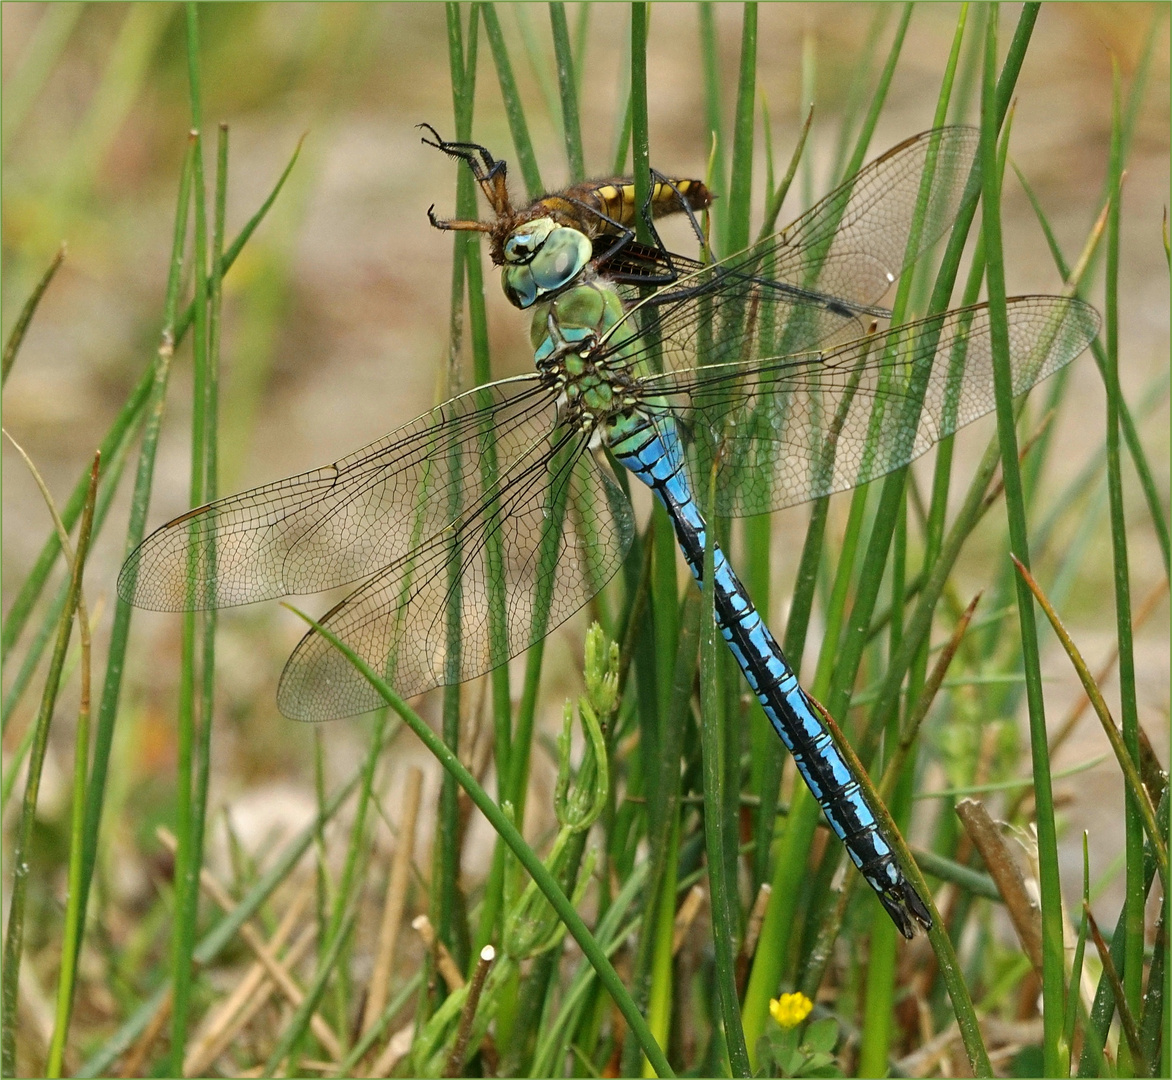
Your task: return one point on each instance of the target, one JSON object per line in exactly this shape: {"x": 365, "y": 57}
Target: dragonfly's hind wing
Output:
{"x": 794, "y": 428}
{"x": 345, "y": 521}
{"x": 472, "y": 596}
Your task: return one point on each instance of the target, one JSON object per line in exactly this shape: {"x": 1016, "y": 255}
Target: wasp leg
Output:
{"x": 489, "y": 174}
{"x": 486, "y": 168}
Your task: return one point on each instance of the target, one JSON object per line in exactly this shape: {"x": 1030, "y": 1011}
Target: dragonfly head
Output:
{"x": 540, "y": 258}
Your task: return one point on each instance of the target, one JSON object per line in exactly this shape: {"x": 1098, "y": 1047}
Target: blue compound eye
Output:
{"x": 519, "y": 286}
{"x": 562, "y": 258}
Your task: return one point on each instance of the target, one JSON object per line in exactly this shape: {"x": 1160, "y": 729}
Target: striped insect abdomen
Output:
{"x": 615, "y": 198}
{"x": 651, "y": 450}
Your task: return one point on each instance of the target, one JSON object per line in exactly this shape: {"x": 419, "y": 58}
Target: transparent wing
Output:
{"x": 797, "y": 427}
{"x": 854, "y": 243}
{"x": 345, "y": 521}
{"x": 824, "y": 273}
{"x": 474, "y": 595}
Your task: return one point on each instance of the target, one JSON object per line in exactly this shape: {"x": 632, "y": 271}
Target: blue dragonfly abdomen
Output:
{"x": 650, "y": 448}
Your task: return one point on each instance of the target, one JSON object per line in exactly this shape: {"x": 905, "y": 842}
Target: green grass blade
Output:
{"x": 623, "y": 142}
{"x": 537, "y": 57}
{"x": 1133, "y": 908}
{"x": 1074, "y": 996}
{"x": 524, "y": 853}
{"x": 22, "y": 846}
{"x": 856, "y": 91}
{"x": 568, "y": 91}
{"x": 664, "y": 611}
{"x": 778, "y": 194}
{"x": 445, "y": 902}
{"x": 713, "y": 122}
{"x": 581, "y": 42}
{"x": 879, "y": 98}
{"x": 718, "y": 834}
{"x": 1152, "y": 1030}
{"x": 1053, "y": 987}
{"x": 968, "y": 76}
{"x": 195, "y": 709}
{"x": 740, "y": 192}
{"x": 640, "y": 154}
{"x": 71, "y": 935}
{"x": 20, "y": 327}
{"x": 514, "y": 110}
{"x": 663, "y": 833}
{"x": 1006, "y": 81}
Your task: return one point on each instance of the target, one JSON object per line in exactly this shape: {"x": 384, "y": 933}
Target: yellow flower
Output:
{"x": 789, "y": 1010}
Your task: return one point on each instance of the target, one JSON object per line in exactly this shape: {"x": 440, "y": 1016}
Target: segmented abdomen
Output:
{"x": 616, "y": 199}
{"x": 650, "y": 448}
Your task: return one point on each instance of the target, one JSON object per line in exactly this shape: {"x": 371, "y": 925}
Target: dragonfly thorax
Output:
{"x": 572, "y": 337}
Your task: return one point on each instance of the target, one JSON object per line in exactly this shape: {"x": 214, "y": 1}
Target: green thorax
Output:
{"x": 582, "y": 340}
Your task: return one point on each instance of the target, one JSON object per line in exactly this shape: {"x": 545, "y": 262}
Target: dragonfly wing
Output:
{"x": 821, "y": 276}
{"x": 472, "y": 596}
{"x": 342, "y": 522}
{"x": 797, "y": 427}
{"x": 856, "y": 241}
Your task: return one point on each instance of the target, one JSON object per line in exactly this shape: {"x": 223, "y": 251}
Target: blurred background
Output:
{"x": 336, "y": 316}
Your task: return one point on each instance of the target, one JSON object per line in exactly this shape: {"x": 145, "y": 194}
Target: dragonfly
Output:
{"x": 477, "y": 528}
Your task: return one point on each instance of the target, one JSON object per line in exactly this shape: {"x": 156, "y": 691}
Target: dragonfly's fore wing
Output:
{"x": 472, "y": 596}
{"x": 823, "y": 274}
{"x": 798, "y": 427}
{"x": 342, "y": 522}
{"x": 856, "y": 241}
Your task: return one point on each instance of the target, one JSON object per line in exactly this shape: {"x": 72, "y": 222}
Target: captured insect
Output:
{"x": 530, "y": 242}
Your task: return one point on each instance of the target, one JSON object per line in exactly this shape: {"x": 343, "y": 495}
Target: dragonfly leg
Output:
{"x": 648, "y": 217}
{"x": 622, "y": 237}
